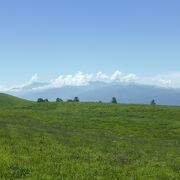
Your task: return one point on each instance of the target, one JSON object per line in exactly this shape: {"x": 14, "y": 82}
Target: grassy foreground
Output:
{"x": 89, "y": 141}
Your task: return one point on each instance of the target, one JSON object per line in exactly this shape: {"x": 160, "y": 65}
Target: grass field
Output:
{"x": 89, "y": 141}
{"x": 8, "y": 100}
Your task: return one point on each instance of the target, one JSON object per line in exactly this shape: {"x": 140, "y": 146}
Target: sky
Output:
{"x": 50, "y": 39}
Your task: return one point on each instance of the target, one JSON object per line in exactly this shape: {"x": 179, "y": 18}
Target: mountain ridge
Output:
{"x": 130, "y": 93}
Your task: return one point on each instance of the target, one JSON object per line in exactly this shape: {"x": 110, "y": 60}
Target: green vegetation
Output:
{"x": 89, "y": 141}
{"x": 8, "y": 100}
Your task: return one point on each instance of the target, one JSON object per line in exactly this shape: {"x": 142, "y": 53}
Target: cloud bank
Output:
{"x": 20, "y": 87}
{"x": 80, "y": 79}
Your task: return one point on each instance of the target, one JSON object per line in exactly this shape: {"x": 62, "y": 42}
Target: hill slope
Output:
{"x": 8, "y": 100}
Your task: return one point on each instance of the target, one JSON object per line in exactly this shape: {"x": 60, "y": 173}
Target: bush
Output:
{"x": 76, "y": 99}
{"x": 153, "y": 102}
{"x": 40, "y": 100}
{"x": 70, "y": 100}
{"x": 114, "y": 101}
{"x": 59, "y": 100}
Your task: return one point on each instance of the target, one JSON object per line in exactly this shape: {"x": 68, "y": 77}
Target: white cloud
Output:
{"x": 117, "y": 76}
{"x": 16, "y": 88}
{"x": 81, "y": 79}
{"x": 33, "y": 79}
{"x": 3, "y": 89}
{"x": 165, "y": 82}
{"x": 129, "y": 78}
{"x": 100, "y": 76}
{"x": 78, "y": 79}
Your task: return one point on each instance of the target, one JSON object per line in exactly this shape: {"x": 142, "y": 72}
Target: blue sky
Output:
{"x": 57, "y": 37}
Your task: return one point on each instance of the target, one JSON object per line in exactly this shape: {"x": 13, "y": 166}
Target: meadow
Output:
{"x": 88, "y": 141}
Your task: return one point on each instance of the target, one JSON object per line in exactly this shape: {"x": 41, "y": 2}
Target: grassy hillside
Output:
{"x": 8, "y": 100}
{"x": 89, "y": 141}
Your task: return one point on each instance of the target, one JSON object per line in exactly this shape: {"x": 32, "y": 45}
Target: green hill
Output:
{"x": 89, "y": 141}
{"x": 8, "y": 100}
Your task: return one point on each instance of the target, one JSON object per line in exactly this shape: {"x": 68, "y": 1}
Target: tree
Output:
{"x": 153, "y": 102}
{"x": 46, "y": 100}
{"x": 69, "y": 100}
{"x": 114, "y": 101}
{"x": 40, "y": 100}
{"x": 76, "y": 99}
{"x": 59, "y": 100}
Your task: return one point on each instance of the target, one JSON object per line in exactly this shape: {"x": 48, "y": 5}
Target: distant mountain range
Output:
{"x": 101, "y": 91}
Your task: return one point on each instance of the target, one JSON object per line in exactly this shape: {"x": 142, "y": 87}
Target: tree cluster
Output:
{"x": 42, "y": 100}
{"x": 76, "y": 99}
